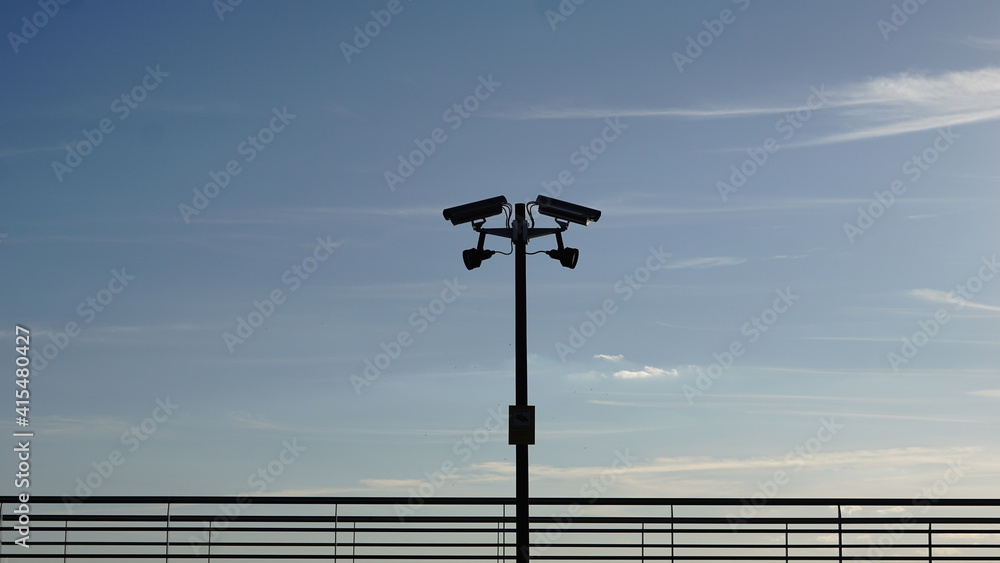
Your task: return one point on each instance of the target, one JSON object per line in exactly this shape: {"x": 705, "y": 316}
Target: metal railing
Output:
{"x": 482, "y": 529}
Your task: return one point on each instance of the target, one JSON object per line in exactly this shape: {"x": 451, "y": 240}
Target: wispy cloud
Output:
{"x": 553, "y": 112}
{"x": 6, "y": 153}
{"x": 212, "y": 108}
{"x": 850, "y": 338}
{"x": 907, "y": 102}
{"x": 652, "y": 209}
{"x": 341, "y": 109}
{"x": 854, "y": 415}
{"x": 85, "y": 425}
{"x": 883, "y": 457}
{"x": 993, "y": 393}
{"x": 877, "y": 107}
{"x": 319, "y": 212}
{"x": 704, "y": 262}
{"x": 646, "y": 372}
{"x": 392, "y": 483}
{"x": 660, "y": 475}
{"x": 938, "y": 296}
{"x": 983, "y": 43}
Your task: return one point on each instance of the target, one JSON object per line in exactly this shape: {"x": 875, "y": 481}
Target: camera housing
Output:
{"x": 476, "y": 210}
{"x": 566, "y": 211}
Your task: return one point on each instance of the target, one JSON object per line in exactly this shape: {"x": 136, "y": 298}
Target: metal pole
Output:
{"x": 521, "y": 374}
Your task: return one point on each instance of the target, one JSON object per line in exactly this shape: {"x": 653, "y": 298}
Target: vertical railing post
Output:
{"x": 642, "y": 541}
{"x": 671, "y": 532}
{"x": 840, "y": 533}
{"x": 501, "y": 533}
{"x": 166, "y": 545}
{"x": 930, "y": 543}
{"x": 786, "y": 542}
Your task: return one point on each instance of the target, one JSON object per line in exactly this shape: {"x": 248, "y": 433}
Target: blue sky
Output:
{"x": 794, "y": 280}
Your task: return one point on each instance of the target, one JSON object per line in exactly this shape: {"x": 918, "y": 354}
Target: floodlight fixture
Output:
{"x": 566, "y": 211}
{"x": 475, "y": 211}
{"x": 474, "y": 257}
{"x": 566, "y": 256}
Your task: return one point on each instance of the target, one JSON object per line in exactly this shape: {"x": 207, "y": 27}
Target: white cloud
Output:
{"x": 948, "y": 298}
{"x": 892, "y": 510}
{"x": 878, "y": 107}
{"x": 609, "y": 357}
{"x": 646, "y": 372}
{"x": 933, "y": 295}
{"x": 905, "y": 102}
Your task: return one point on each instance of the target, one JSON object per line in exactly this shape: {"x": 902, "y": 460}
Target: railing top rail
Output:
{"x": 538, "y": 501}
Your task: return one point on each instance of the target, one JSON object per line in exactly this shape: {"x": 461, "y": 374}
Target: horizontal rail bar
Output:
{"x": 537, "y": 501}
{"x": 365, "y": 529}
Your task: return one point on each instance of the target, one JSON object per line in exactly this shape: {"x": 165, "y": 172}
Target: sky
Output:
{"x": 222, "y": 230}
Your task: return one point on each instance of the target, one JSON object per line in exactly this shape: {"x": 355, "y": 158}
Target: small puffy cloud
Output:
{"x": 891, "y": 510}
{"x": 609, "y": 357}
{"x": 933, "y": 295}
{"x": 646, "y": 372}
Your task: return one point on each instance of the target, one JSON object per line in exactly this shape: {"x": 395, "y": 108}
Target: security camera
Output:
{"x": 566, "y": 211}
{"x": 476, "y": 210}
